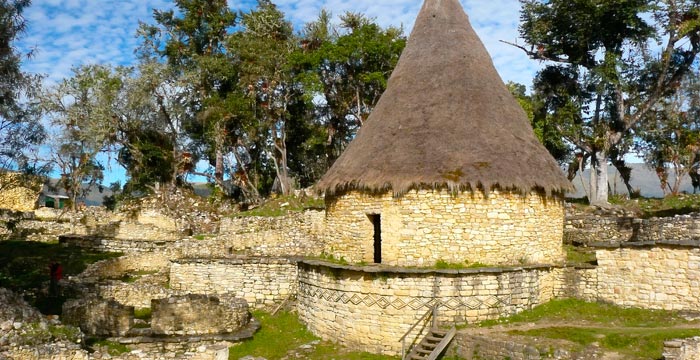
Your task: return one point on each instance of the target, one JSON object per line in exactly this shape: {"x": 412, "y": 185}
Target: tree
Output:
{"x": 349, "y": 66}
{"x": 192, "y": 41}
{"x": 542, "y": 122}
{"x": 606, "y": 71}
{"x": 264, "y": 46}
{"x": 80, "y": 108}
{"x": 20, "y": 128}
{"x": 670, "y": 136}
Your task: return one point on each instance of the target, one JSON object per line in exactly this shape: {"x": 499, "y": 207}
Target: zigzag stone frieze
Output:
{"x": 402, "y": 302}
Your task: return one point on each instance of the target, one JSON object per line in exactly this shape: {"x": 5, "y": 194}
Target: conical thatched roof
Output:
{"x": 446, "y": 119}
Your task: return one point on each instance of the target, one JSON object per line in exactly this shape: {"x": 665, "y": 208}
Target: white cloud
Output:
{"x": 75, "y": 32}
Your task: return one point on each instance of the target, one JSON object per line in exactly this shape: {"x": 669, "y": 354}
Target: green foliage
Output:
{"x": 20, "y": 129}
{"x": 349, "y": 65}
{"x": 670, "y": 136}
{"x": 602, "y": 78}
{"x": 542, "y": 123}
{"x": 36, "y": 334}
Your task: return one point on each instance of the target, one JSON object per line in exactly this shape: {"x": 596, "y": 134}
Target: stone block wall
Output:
{"x": 198, "y": 315}
{"x": 295, "y": 234}
{"x": 476, "y": 347}
{"x": 260, "y": 281}
{"x": 371, "y": 309}
{"x": 422, "y": 227}
{"x": 660, "y": 277}
{"x": 116, "y": 245}
{"x": 138, "y": 295}
{"x": 594, "y": 229}
{"x": 98, "y": 317}
{"x": 682, "y": 349}
{"x": 18, "y": 192}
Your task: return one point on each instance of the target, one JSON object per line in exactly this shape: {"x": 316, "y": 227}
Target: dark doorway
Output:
{"x": 377, "y": 222}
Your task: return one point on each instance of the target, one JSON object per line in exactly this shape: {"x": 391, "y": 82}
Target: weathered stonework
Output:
{"x": 593, "y": 229}
{"x": 198, "y": 315}
{"x": 682, "y": 349}
{"x": 660, "y": 277}
{"x": 295, "y": 234}
{"x": 422, "y": 227}
{"x": 18, "y": 192}
{"x": 99, "y": 317}
{"x": 260, "y": 281}
{"x": 371, "y": 309}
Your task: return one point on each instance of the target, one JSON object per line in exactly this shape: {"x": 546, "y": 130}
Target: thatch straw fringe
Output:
{"x": 446, "y": 121}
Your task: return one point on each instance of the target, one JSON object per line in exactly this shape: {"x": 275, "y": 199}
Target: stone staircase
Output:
{"x": 432, "y": 344}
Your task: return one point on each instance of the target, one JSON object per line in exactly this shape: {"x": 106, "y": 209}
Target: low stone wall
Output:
{"x": 476, "y": 347}
{"x": 663, "y": 276}
{"x": 98, "y": 317}
{"x": 116, "y": 245}
{"x": 138, "y": 295}
{"x": 260, "y": 281}
{"x": 199, "y": 315}
{"x": 117, "y": 267}
{"x": 579, "y": 282}
{"x": 682, "y": 349}
{"x": 370, "y": 308}
{"x": 594, "y": 229}
{"x": 295, "y": 234}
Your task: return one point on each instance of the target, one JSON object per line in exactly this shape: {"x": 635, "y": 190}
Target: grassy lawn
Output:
{"x": 630, "y": 331}
{"x": 24, "y": 267}
{"x": 283, "y": 332}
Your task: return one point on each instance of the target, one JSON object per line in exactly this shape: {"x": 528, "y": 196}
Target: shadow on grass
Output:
{"x": 24, "y": 269}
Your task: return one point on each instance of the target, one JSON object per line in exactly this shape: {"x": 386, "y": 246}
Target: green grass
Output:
{"x": 646, "y": 343}
{"x": 281, "y": 206}
{"x": 577, "y": 255}
{"x": 113, "y": 348}
{"x": 283, "y": 332}
{"x": 632, "y": 331}
{"x": 578, "y": 312}
{"x": 24, "y": 267}
{"x": 143, "y": 313}
{"x": 442, "y": 265}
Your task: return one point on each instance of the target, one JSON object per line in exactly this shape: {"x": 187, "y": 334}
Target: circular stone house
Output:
{"x": 447, "y": 166}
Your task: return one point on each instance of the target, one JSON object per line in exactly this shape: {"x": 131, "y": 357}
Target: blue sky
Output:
{"x": 68, "y": 33}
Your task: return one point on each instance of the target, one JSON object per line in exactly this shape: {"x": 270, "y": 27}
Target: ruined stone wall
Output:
{"x": 682, "y": 349}
{"x": 199, "y": 315}
{"x": 295, "y": 234}
{"x": 370, "y": 309}
{"x": 116, "y": 245}
{"x": 260, "y": 281}
{"x": 591, "y": 229}
{"x": 579, "y": 282}
{"x": 660, "y": 277}
{"x": 423, "y": 227}
{"x": 475, "y": 347}
{"x": 18, "y": 192}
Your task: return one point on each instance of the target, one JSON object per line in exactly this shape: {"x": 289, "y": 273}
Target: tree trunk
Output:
{"x": 599, "y": 178}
